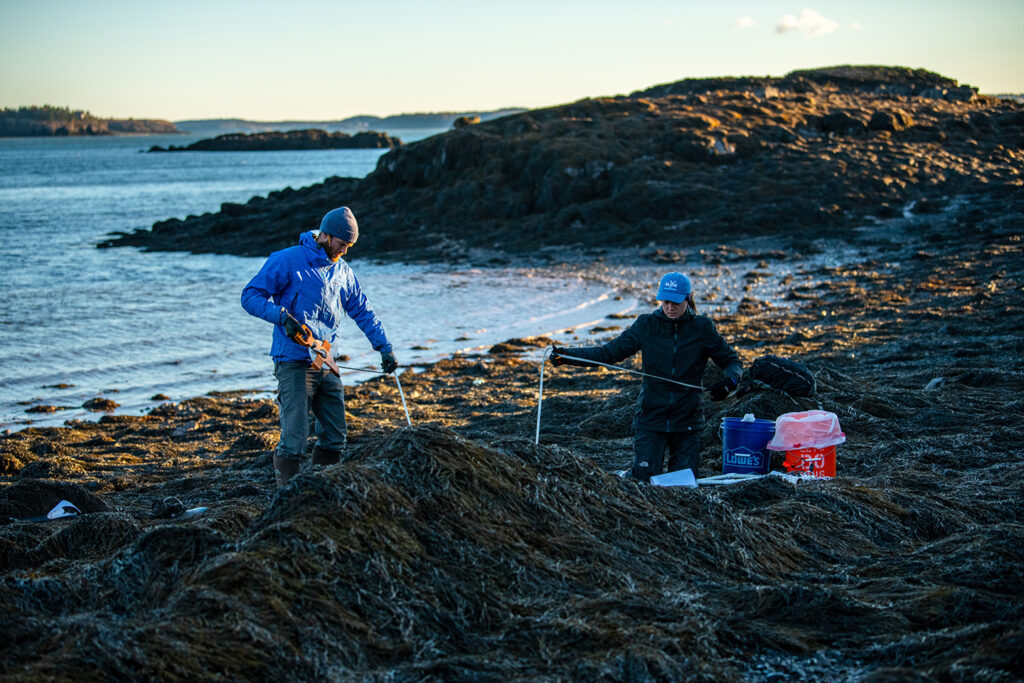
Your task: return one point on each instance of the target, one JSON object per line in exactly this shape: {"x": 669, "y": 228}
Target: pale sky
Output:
{"x": 324, "y": 60}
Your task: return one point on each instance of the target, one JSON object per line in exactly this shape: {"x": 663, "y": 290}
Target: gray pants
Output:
{"x": 300, "y": 389}
{"x": 649, "y": 452}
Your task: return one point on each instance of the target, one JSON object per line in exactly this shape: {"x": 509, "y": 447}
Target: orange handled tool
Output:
{"x": 321, "y": 350}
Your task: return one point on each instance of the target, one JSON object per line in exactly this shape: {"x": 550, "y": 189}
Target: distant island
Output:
{"x": 50, "y": 121}
{"x": 211, "y": 127}
{"x": 287, "y": 140}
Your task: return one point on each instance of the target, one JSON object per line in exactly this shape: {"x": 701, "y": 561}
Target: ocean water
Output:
{"x": 79, "y": 322}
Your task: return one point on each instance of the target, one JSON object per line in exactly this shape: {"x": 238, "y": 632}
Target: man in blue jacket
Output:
{"x": 675, "y": 344}
{"x": 309, "y": 284}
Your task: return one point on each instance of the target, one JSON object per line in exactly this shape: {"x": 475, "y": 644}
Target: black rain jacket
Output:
{"x": 678, "y": 349}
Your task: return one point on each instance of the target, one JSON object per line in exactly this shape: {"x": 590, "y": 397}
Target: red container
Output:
{"x": 818, "y": 462}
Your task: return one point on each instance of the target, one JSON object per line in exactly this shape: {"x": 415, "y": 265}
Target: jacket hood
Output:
{"x": 314, "y": 254}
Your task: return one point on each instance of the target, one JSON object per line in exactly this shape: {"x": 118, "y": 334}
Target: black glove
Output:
{"x": 558, "y": 358}
{"x": 388, "y": 362}
{"x": 295, "y": 330}
{"x": 722, "y": 388}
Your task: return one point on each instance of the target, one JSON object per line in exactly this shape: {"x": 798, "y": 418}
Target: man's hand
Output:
{"x": 388, "y": 362}
{"x": 722, "y": 388}
{"x": 295, "y": 330}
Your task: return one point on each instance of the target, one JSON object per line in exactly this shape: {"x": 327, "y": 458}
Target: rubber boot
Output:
{"x": 322, "y": 457}
{"x": 285, "y": 469}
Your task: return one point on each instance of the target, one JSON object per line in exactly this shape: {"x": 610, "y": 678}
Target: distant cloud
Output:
{"x": 809, "y": 21}
{"x": 743, "y": 22}
{"x": 856, "y": 26}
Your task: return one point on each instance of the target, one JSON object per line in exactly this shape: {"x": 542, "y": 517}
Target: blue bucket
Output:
{"x": 744, "y": 445}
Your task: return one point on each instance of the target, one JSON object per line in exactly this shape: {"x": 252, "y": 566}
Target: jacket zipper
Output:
{"x": 672, "y": 393}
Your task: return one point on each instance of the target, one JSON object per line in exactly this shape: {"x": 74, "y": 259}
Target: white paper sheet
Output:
{"x": 677, "y": 478}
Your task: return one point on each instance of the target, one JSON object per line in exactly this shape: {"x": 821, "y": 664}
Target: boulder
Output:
{"x": 100, "y": 404}
{"x": 841, "y": 122}
{"x": 892, "y": 120}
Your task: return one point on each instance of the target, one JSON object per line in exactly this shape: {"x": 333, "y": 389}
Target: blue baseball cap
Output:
{"x": 674, "y": 287}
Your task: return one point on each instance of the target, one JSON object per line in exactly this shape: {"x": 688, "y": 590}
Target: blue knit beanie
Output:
{"x": 340, "y": 223}
{"x": 674, "y": 287}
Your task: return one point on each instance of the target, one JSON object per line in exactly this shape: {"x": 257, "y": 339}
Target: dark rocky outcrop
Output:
{"x": 896, "y": 81}
{"x": 678, "y": 164}
{"x": 287, "y": 140}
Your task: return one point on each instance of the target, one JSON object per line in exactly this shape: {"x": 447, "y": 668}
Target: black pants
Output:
{"x": 649, "y": 452}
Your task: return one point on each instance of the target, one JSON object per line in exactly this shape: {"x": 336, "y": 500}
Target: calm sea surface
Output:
{"x": 127, "y": 325}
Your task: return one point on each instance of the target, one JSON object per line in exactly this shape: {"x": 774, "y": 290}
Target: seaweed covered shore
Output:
{"x": 457, "y": 549}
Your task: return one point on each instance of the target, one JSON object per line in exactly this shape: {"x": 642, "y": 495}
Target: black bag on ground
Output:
{"x": 775, "y": 372}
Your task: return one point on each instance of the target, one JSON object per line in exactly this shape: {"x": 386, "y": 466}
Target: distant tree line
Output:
{"x": 49, "y": 120}
{"x": 47, "y": 112}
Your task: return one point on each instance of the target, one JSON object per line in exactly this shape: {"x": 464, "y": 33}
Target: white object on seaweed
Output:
{"x": 677, "y": 478}
{"x": 65, "y": 508}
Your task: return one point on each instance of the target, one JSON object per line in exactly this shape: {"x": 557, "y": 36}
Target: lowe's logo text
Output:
{"x": 743, "y": 456}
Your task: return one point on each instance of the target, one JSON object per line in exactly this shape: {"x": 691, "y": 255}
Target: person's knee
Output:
{"x": 643, "y": 469}
{"x": 329, "y": 405}
{"x": 648, "y": 454}
{"x": 294, "y": 433}
{"x": 690, "y": 462}
{"x": 685, "y": 453}
{"x": 293, "y": 402}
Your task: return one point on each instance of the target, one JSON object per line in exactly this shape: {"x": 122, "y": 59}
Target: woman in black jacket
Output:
{"x": 675, "y": 344}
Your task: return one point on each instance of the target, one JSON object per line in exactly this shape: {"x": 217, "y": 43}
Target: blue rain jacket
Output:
{"x": 314, "y": 290}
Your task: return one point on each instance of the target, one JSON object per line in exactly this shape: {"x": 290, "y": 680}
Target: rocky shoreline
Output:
{"x": 287, "y": 140}
{"x": 457, "y": 549}
{"x": 814, "y": 152}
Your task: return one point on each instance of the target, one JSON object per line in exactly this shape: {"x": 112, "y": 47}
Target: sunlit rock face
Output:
{"x": 815, "y": 151}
